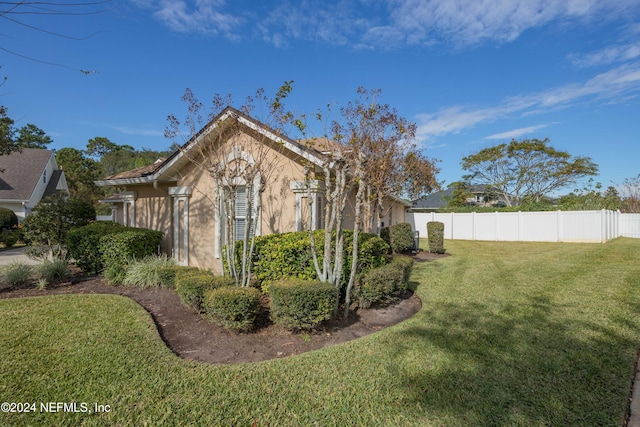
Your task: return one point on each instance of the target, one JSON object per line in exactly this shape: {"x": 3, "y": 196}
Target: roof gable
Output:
{"x": 166, "y": 169}
{"x": 21, "y": 172}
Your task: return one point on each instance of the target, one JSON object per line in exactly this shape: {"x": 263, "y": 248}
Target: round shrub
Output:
{"x": 8, "y": 218}
{"x": 300, "y": 304}
{"x": 167, "y": 275}
{"x": 9, "y": 237}
{"x": 435, "y": 232}
{"x": 233, "y": 307}
{"x": 383, "y": 284}
{"x": 401, "y": 237}
{"x": 190, "y": 286}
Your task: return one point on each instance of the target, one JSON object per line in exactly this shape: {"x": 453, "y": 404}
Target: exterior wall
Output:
{"x": 153, "y": 211}
{"x": 278, "y": 213}
{"x": 42, "y": 183}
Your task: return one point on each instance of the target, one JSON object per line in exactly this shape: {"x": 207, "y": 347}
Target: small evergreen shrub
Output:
{"x": 84, "y": 244}
{"x": 435, "y": 231}
{"x": 16, "y": 273}
{"x": 8, "y": 219}
{"x": 9, "y": 237}
{"x": 118, "y": 249}
{"x": 233, "y": 307}
{"x": 167, "y": 274}
{"x": 384, "y": 284}
{"x": 51, "y": 271}
{"x": 145, "y": 273}
{"x": 401, "y": 237}
{"x": 300, "y": 304}
{"x": 288, "y": 255}
{"x": 191, "y": 286}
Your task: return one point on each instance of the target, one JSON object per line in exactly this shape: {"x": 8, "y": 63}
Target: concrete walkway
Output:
{"x": 15, "y": 254}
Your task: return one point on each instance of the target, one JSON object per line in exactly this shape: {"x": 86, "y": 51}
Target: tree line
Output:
{"x": 82, "y": 167}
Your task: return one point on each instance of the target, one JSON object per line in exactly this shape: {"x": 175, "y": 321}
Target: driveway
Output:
{"x": 15, "y": 254}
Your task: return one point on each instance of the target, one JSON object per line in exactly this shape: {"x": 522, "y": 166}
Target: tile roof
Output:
{"x": 21, "y": 172}
{"x": 138, "y": 172}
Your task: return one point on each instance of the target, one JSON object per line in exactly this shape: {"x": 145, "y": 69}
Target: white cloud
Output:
{"x": 612, "y": 86}
{"x": 194, "y": 16}
{"x": 378, "y": 24}
{"x": 609, "y": 55}
{"x": 516, "y": 133}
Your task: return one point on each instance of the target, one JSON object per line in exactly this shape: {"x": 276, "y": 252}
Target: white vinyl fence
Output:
{"x": 558, "y": 226}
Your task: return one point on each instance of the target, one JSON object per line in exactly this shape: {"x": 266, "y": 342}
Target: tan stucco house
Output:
{"x": 178, "y": 195}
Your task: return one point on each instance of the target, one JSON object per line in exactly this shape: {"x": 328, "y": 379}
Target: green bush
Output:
{"x": 145, "y": 273}
{"x": 167, "y": 274}
{"x": 288, "y": 255}
{"x": 435, "y": 232}
{"x": 300, "y": 304}
{"x": 401, "y": 237}
{"x": 383, "y": 284}
{"x": 46, "y": 228}
{"x": 233, "y": 307}
{"x": 16, "y": 273}
{"x": 50, "y": 271}
{"x": 8, "y": 218}
{"x": 84, "y": 244}
{"x": 191, "y": 286}
{"x": 118, "y": 249}
{"x": 9, "y": 237}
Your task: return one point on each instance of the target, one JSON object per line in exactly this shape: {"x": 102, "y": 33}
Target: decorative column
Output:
{"x": 180, "y": 248}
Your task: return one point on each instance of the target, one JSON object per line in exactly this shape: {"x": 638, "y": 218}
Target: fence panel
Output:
{"x": 558, "y": 226}
{"x": 630, "y": 225}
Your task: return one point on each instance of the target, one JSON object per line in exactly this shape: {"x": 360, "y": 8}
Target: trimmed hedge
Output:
{"x": 384, "y": 284}
{"x": 435, "y": 231}
{"x": 167, "y": 275}
{"x": 83, "y": 244}
{"x": 232, "y": 307}
{"x": 191, "y": 286}
{"x": 118, "y": 248}
{"x": 288, "y": 255}
{"x": 401, "y": 237}
{"x": 301, "y": 304}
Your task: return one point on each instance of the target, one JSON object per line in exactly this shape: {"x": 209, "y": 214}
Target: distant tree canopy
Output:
{"x": 527, "y": 170}
{"x": 100, "y": 159}
{"x": 12, "y": 139}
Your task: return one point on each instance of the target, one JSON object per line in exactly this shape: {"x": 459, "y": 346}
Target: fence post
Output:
{"x": 559, "y": 226}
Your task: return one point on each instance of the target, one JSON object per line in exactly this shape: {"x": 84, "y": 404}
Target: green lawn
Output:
{"x": 528, "y": 334}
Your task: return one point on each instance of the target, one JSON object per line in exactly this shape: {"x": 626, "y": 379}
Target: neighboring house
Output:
{"x": 479, "y": 195}
{"x": 177, "y": 196}
{"x": 26, "y": 177}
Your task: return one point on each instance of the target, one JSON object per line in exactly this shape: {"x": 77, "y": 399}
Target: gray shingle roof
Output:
{"x": 22, "y": 170}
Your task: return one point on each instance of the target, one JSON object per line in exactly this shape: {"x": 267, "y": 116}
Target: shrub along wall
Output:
{"x": 84, "y": 244}
{"x": 288, "y": 255}
{"x": 118, "y": 248}
{"x": 399, "y": 237}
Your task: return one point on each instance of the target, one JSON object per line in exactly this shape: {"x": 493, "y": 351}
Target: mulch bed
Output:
{"x": 192, "y": 337}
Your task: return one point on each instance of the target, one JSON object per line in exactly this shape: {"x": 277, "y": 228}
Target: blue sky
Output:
{"x": 471, "y": 74}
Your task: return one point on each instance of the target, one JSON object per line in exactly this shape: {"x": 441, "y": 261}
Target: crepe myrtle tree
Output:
{"x": 526, "y": 170}
{"x": 373, "y": 152}
{"x": 239, "y": 169}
